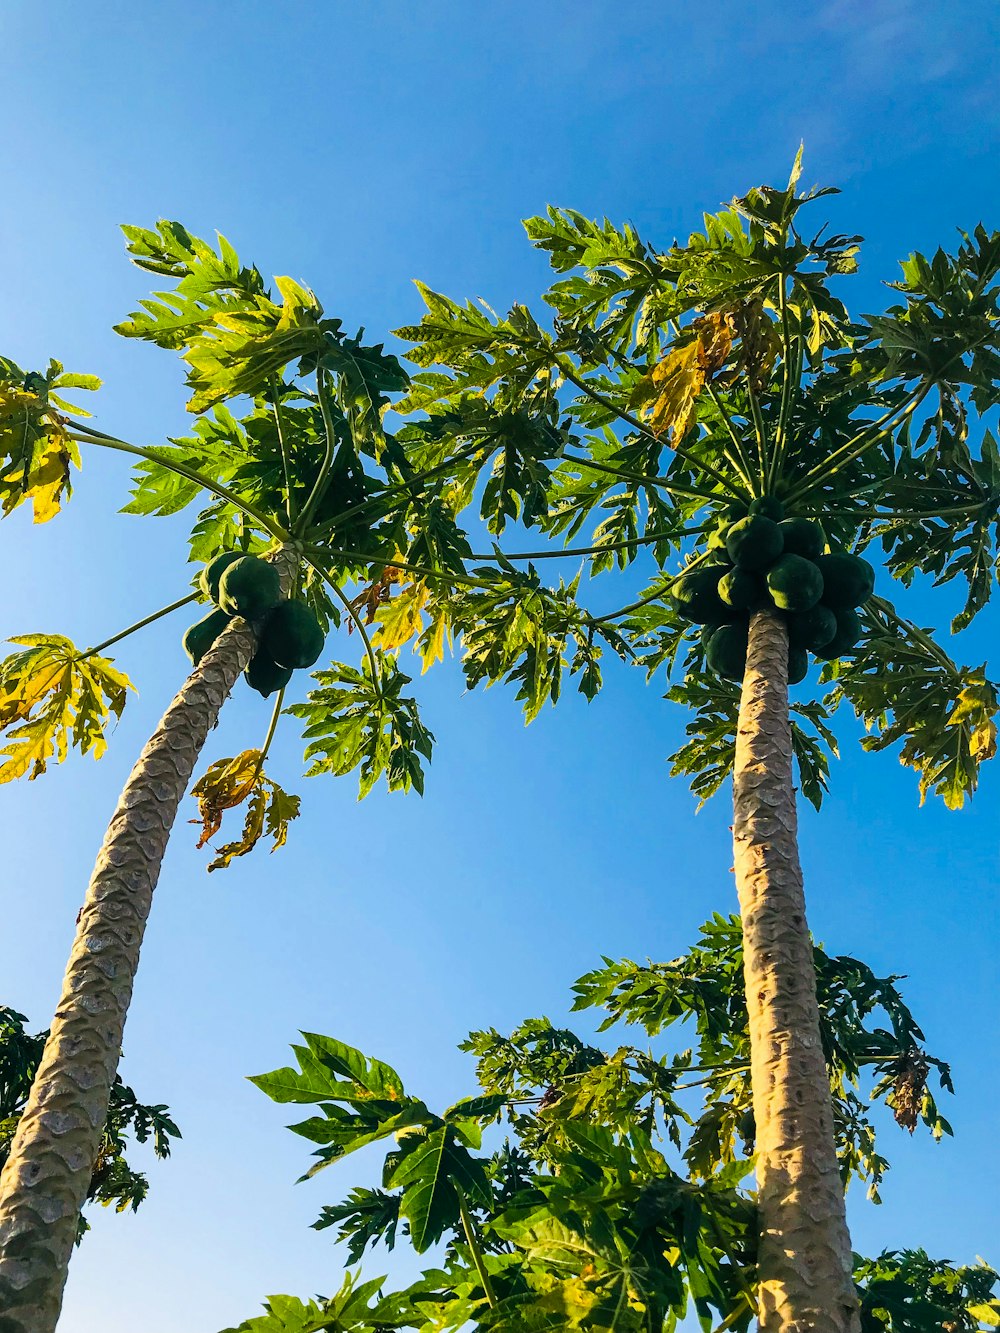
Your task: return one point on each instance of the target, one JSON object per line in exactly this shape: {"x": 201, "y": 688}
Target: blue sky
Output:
{"x": 356, "y": 147}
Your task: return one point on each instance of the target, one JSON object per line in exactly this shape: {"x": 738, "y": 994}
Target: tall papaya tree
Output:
{"x": 312, "y": 515}
{"x": 725, "y": 418}
{"x": 605, "y": 1187}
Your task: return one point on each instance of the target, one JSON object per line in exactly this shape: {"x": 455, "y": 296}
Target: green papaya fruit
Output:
{"x": 742, "y": 590}
{"x": 847, "y": 579}
{"x": 726, "y": 653}
{"x": 292, "y": 635}
{"x": 812, "y": 629}
{"x": 198, "y": 638}
{"x": 696, "y": 595}
{"x": 798, "y": 665}
{"x": 265, "y": 676}
{"x": 754, "y": 542}
{"x": 249, "y": 587}
{"x": 794, "y": 583}
{"x": 209, "y": 578}
{"x": 802, "y": 537}
{"x": 769, "y": 506}
{"x": 849, "y": 631}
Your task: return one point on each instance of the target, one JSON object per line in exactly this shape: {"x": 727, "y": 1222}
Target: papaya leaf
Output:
{"x": 365, "y": 378}
{"x": 229, "y": 783}
{"x": 53, "y": 698}
{"x": 907, "y": 691}
{"x": 428, "y": 1175}
{"x": 669, "y": 392}
{"x": 36, "y": 452}
{"x": 244, "y": 349}
{"x": 349, "y": 1311}
{"x": 208, "y": 282}
{"x": 355, "y": 721}
{"x": 401, "y": 618}
{"x": 366, "y": 1217}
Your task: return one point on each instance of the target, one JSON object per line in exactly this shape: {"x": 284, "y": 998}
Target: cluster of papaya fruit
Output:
{"x": 291, "y": 637}
{"x": 759, "y": 559}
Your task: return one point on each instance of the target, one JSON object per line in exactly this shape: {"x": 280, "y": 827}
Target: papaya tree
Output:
{"x": 725, "y": 419}
{"x": 599, "y": 1187}
{"x": 311, "y": 515}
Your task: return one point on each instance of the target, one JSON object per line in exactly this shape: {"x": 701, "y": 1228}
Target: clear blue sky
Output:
{"x": 356, "y": 147}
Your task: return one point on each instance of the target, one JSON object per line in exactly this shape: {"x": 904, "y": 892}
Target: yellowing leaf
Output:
{"x": 974, "y": 710}
{"x": 49, "y": 478}
{"x": 231, "y": 782}
{"x": 376, "y": 594}
{"x": 760, "y": 342}
{"x": 52, "y": 698}
{"x": 432, "y": 641}
{"x": 401, "y": 618}
{"x": 36, "y": 452}
{"x": 673, "y": 385}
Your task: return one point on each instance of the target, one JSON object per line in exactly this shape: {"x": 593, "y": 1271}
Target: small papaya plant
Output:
{"x": 312, "y": 516}
{"x": 776, "y": 463}
{"x": 602, "y": 1187}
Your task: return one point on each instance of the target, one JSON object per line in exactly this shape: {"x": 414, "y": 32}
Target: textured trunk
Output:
{"x": 44, "y": 1183}
{"x": 804, "y": 1264}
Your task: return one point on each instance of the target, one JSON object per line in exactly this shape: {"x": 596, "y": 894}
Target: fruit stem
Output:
{"x": 653, "y": 597}
{"x": 472, "y": 1240}
{"x": 418, "y": 479}
{"x": 272, "y": 728}
{"x": 597, "y": 550}
{"x": 392, "y": 562}
{"x": 758, "y": 426}
{"x": 289, "y": 501}
{"x": 139, "y": 624}
{"x": 741, "y": 463}
{"x": 323, "y": 476}
{"x": 666, "y": 483}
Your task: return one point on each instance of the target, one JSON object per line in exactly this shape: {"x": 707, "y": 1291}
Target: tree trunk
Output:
{"x": 804, "y": 1260}
{"x": 45, "y": 1180}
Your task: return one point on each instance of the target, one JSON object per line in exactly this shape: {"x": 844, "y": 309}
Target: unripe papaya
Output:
{"x": 717, "y": 540}
{"x": 742, "y": 590}
{"x": 754, "y": 542}
{"x": 249, "y": 587}
{"x": 292, "y": 635}
{"x": 696, "y": 595}
{"x": 812, "y": 629}
{"x": 200, "y": 636}
{"x": 847, "y": 579}
{"x": 802, "y": 537}
{"x": 265, "y": 676}
{"x": 849, "y": 630}
{"x": 798, "y": 665}
{"x": 209, "y": 578}
{"x": 794, "y": 583}
{"x": 726, "y": 653}
{"x": 707, "y": 631}
{"x": 768, "y": 505}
